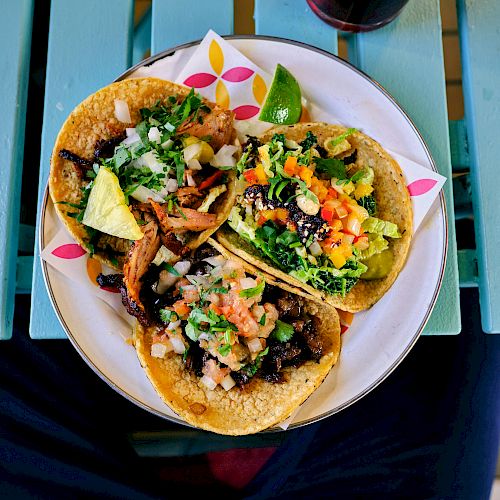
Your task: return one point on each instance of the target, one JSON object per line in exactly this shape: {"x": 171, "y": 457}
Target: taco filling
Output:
{"x": 310, "y": 209}
{"x": 228, "y": 326}
{"x": 170, "y": 172}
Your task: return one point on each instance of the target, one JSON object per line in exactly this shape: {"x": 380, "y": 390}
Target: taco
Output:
{"x": 140, "y": 151}
{"x": 323, "y": 208}
{"x": 226, "y": 349}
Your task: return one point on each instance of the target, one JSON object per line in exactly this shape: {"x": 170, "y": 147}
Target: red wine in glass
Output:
{"x": 357, "y": 15}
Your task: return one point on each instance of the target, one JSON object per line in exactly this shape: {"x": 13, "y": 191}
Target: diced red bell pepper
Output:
{"x": 327, "y": 214}
{"x": 250, "y": 176}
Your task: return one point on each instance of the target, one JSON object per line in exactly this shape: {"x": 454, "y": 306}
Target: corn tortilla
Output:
{"x": 94, "y": 119}
{"x": 393, "y": 204}
{"x": 259, "y": 404}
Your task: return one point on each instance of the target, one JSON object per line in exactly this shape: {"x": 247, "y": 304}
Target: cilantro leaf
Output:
{"x": 224, "y": 349}
{"x": 331, "y": 167}
{"x": 167, "y": 316}
{"x": 282, "y": 331}
{"x": 252, "y": 292}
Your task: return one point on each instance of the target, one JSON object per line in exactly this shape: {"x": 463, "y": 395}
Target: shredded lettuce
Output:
{"x": 378, "y": 226}
{"x": 377, "y": 245}
{"x": 245, "y": 228}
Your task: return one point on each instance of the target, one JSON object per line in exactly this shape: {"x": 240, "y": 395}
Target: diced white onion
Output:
{"x": 190, "y": 180}
{"x": 165, "y": 281}
{"x": 182, "y": 267}
{"x": 353, "y": 225}
{"x": 254, "y": 345}
{"x": 208, "y": 382}
{"x": 301, "y": 251}
{"x": 177, "y": 344}
{"x": 122, "y": 112}
{"x": 150, "y": 160}
{"x": 143, "y": 194}
{"x": 291, "y": 144}
{"x": 131, "y": 137}
{"x": 163, "y": 255}
{"x": 167, "y": 144}
{"x": 194, "y": 164}
{"x": 228, "y": 382}
{"x": 347, "y": 238}
{"x": 337, "y": 188}
{"x": 169, "y": 127}
{"x": 224, "y": 157}
{"x": 173, "y": 325}
{"x": 197, "y": 280}
{"x": 171, "y": 185}
{"x": 130, "y": 131}
{"x": 246, "y": 283}
{"x": 192, "y": 151}
{"x": 315, "y": 249}
{"x": 189, "y": 288}
{"x": 204, "y": 336}
{"x": 154, "y": 135}
{"x": 216, "y": 260}
{"x": 158, "y": 350}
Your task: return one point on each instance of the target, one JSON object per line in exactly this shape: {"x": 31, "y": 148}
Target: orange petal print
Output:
{"x": 216, "y": 57}
{"x": 221, "y": 95}
{"x": 259, "y": 88}
{"x": 93, "y": 269}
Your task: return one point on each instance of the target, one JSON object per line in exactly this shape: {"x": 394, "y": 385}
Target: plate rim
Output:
{"x": 442, "y": 204}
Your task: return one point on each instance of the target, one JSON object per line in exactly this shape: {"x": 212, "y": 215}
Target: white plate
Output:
{"x": 379, "y": 338}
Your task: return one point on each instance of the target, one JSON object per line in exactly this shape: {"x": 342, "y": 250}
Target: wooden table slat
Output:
{"x": 90, "y": 44}
{"x": 406, "y": 57}
{"x": 15, "y": 45}
{"x": 294, "y": 20}
{"x": 176, "y": 22}
{"x": 480, "y": 46}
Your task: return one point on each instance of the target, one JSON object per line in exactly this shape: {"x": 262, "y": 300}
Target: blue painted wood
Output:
{"x": 142, "y": 38}
{"x": 462, "y": 195}
{"x": 480, "y": 44}
{"x": 82, "y": 57}
{"x": 294, "y": 20}
{"x": 24, "y": 273}
{"x": 406, "y": 57}
{"x": 459, "y": 145}
{"x": 15, "y": 44}
{"x": 467, "y": 266}
{"x": 176, "y": 22}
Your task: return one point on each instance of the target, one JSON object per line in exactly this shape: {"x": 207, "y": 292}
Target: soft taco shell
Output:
{"x": 393, "y": 204}
{"x": 94, "y": 119}
{"x": 239, "y": 411}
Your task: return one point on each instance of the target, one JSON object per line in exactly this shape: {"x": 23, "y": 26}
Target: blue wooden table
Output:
{"x": 87, "y": 51}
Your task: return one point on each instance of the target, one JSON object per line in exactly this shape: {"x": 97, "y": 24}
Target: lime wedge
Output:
{"x": 283, "y": 102}
{"x": 106, "y": 208}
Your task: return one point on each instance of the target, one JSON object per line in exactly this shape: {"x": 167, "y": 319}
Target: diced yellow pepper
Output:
{"x": 362, "y": 190}
{"x": 337, "y": 258}
{"x": 259, "y": 172}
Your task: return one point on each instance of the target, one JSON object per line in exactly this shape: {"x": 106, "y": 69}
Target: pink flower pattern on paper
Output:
{"x": 237, "y": 74}
{"x": 245, "y": 112}
{"x": 421, "y": 186}
{"x": 69, "y": 251}
{"x": 200, "y": 80}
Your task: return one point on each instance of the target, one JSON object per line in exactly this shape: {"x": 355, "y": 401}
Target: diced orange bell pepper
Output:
{"x": 281, "y": 215}
{"x": 306, "y": 175}
{"x": 332, "y": 193}
{"x": 337, "y": 258}
{"x": 319, "y": 189}
{"x": 290, "y": 165}
{"x": 336, "y": 225}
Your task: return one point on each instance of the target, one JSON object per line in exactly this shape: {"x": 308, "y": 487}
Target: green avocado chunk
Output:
{"x": 379, "y": 265}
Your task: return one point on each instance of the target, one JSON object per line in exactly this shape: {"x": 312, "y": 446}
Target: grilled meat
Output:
{"x": 140, "y": 256}
{"x": 175, "y": 222}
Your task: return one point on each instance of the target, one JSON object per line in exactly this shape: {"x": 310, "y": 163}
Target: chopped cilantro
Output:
{"x": 282, "y": 331}
{"x": 224, "y": 349}
{"x": 252, "y": 292}
{"x": 167, "y": 316}
{"x": 262, "y": 320}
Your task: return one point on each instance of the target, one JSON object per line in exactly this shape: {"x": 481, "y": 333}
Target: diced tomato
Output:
{"x": 306, "y": 175}
{"x": 290, "y": 165}
{"x": 211, "y": 180}
{"x": 327, "y": 214}
{"x": 216, "y": 309}
{"x": 182, "y": 309}
{"x": 250, "y": 176}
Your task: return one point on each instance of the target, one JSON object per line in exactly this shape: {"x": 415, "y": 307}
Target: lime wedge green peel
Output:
{"x": 283, "y": 103}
